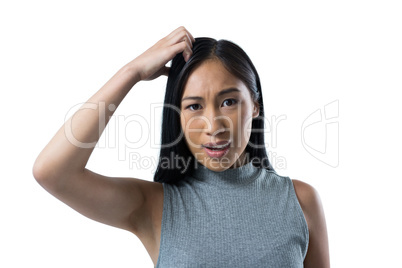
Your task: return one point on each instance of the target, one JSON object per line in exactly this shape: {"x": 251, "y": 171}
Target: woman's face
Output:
{"x": 216, "y": 108}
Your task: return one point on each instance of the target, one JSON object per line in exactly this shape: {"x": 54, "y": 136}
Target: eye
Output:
{"x": 192, "y": 106}
{"x": 230, "y": 102}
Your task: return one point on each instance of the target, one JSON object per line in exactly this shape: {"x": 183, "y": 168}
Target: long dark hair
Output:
{"x": 176, "y": 160}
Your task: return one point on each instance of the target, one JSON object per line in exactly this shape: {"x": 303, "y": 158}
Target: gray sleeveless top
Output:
{"x": 243, "y": 217}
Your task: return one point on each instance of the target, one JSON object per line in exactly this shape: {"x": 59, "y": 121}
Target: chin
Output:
{"x": 218, "y": 164}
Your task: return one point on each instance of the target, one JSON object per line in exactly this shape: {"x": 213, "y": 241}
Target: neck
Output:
{"x": 232, "y": 177}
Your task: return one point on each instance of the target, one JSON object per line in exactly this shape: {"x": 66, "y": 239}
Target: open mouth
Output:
{"x": 217, "y": 151}
{"x": 218, "y": 148}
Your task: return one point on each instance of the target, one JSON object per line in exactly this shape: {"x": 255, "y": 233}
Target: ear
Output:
{"x": 256, "y": 109}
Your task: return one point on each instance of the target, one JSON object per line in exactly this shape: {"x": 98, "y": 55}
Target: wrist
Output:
{"x": 132, "y": 71}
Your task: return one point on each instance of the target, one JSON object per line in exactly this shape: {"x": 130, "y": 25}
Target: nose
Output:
{"x": 216, "y": 123}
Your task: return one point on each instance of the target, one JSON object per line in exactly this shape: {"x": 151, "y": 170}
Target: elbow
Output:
{"x": 42, "y": 175}
{"x": 37, "y": 171}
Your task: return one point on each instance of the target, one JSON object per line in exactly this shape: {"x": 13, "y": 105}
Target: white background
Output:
{"x": 55, "y": 55}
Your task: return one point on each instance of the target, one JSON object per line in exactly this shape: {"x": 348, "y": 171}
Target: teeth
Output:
{"x": 218, "y": 147}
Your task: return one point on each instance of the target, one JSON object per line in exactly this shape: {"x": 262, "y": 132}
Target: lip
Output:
{"x": 216, "y": 144}
{"x": 218, "y": 153}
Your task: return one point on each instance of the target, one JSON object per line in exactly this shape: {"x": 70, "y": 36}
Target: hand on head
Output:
{"x": 152, "y": 63}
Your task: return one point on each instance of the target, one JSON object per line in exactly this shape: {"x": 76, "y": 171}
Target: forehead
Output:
{"x": 209, "y": 78}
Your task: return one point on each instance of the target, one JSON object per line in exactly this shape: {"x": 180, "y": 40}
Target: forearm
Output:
{"x": 69, "y": 150}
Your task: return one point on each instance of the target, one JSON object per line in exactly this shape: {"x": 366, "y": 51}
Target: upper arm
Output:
{"x": 113, "y": 201}
{"x": 318, "y": 248}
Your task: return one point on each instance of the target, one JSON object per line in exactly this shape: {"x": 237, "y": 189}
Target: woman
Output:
{"x": 226, "y": 207}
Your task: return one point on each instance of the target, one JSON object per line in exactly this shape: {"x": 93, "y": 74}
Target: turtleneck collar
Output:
{"x": 234, "y": 176}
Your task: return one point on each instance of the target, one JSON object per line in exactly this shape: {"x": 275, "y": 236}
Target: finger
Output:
{"x": 175, "y": 33}
{"x": 179, "y": 47}
{"x": 188, "y": 51}
{"x": 191, "y": 37}
{"x": 190, "y": 41}
{"x": 182, "y": 37}
{"x": 179, "y": 36}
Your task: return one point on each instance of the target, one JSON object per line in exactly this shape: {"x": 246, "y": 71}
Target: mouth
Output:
{"x": 218, "y": 149}
{"x": 216, "y": 145}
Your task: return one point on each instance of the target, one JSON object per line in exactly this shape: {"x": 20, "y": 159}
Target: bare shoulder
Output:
{"x": 310, "y": 202}
{"x": 307, "y": 195}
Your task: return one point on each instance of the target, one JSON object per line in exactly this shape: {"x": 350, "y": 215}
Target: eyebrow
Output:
{"x": 225, "y": 91}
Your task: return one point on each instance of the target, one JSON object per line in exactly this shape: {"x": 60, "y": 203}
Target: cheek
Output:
{"x": 243, "y": 127}
{"x": 190, "y": 126}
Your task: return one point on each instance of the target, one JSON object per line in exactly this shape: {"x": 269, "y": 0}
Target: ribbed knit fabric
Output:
{"x": 243, "y": 217}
